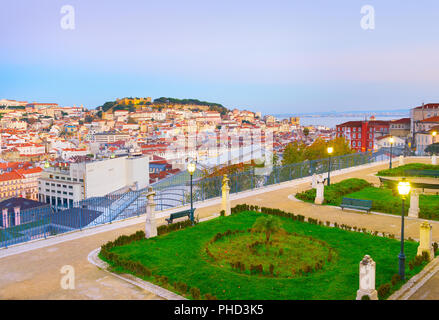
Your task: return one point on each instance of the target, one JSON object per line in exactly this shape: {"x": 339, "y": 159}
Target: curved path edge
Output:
{"x": 93, "y": 258}
{"x": 417, "y": 281}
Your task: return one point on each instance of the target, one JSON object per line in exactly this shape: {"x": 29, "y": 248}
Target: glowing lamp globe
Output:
{"x": 404, "y": 188}
{"x": 191, "y": 167}
{"x": 391, "y": 140}
{"x": 330, "y": 150}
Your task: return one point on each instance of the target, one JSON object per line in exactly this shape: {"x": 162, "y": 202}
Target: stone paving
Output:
{"x": 35, "y": 274}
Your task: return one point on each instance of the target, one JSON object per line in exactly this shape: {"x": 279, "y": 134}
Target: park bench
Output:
{"x": 426, "y": 173}
{"x": 356, "y": 204}
{"x": 180, "y": 214}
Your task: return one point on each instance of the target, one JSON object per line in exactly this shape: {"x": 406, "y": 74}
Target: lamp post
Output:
{"x": 391, "y": 140}
{"x": 191, "y": 169}
{"x": 330, "y": 150}
{"x": 403, "y": 190}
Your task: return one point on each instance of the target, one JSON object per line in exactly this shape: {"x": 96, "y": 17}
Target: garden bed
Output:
{"x": 404, "y": 171}
{"x": 179, "y": 261}
{"x": 383, "y": 199}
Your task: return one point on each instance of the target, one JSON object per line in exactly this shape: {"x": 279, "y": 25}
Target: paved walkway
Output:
{"x": 35, "y": 274}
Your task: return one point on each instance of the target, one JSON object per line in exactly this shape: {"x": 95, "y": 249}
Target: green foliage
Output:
{"x": 383, "y": 290}
{"x": 298, "y": 151}
{"x": 212, "y": 106}
{"x": 402, "y": 170}
{"x": 180, "y": 257}
{"x": 432, "y": 148}
{"x": 395, "y": 279}
{"x": 334, "y": 193}
{"x": 195, "y": 292}
{"x": 268, "y": 225}
{"x": 166, "y": 228}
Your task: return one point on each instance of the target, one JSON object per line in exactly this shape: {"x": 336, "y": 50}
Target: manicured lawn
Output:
{"x": 383, "y": 200}
{"x": 401, "y": 170}
{"x": 181, "y": 256}
{"x": 335, "y": 192}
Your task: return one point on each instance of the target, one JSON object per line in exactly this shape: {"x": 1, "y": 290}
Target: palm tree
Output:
{"x": 268, "y": 225}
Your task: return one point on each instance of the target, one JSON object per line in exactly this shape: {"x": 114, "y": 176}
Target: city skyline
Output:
{"x": 281, "y": 58}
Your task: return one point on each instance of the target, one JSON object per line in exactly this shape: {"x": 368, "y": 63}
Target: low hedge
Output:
{"x": 401, "y": 171}
{"x": 336, "y": 191}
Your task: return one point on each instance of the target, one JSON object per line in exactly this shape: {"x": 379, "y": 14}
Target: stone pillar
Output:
{"x": 367, "y": 279}
{"x": 425, "y": 240}
{"x": 150, "y": 224}
{"x": 320, "y": 190}
{"x": 17, "y": 215}
{"x": 5, "y": 218}
{"x": 314, "y": 181}
{"x": 433, "y": 160}
{"x": 414, "y": 204}
{"x": 225, "y": 201}
{"x": 401, "y": 160}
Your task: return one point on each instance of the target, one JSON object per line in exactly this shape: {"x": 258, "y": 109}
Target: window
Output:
{"x": 353, "y": 143}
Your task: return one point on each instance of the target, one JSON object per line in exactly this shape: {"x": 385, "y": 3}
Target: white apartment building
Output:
{"x": 63, "y": 186}
{"x": 108, "y": 137}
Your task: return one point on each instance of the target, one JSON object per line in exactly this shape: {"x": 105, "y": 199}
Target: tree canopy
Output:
{"x": 432, "y": 148}
{"x": 298, "y": 151}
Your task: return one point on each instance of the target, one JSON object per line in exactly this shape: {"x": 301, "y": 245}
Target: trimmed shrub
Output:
{"x": 383, "y": 290}
{"x": 195, "y": 293}
{"x": 395, "y": 279}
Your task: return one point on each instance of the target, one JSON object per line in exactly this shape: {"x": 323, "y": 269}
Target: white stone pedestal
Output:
{"x": 225, "y": 201}
{"x": 150, "y": 223}
{"x": 434, "y": 159}
{"x": 314, "y": 181}
{"x": 414, "y": 204}
{"x": 367, "y": 279}
{"x": 425, "y": 240}
{"x": 320, "y": 191}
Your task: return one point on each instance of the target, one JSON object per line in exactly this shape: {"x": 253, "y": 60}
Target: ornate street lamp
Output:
{"x": 330, "y": 150}
{"x": 391, "y": 140}
{"x": 404, "y": 190}
{"x": 434, "y": 133}
{"x": 191, "y": 169}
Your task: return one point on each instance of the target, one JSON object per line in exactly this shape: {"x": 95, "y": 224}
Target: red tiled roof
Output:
{"x": 432, "y": 119}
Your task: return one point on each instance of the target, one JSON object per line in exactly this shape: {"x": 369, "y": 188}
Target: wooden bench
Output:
{"x": 180, "y": 214}
{"x": 356, "y": 204}
{"x": 426, "y": 173}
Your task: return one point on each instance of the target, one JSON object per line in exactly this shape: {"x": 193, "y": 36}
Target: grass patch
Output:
{"x": 179, "y": 261}
{"x": 286, "y": 255}
{"x": 401, "y": 171}
{"x": 386, "y": 201}
{"x": 335, "y": 192}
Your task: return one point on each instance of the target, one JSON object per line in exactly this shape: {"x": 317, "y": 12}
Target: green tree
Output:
{"x": 267, "y": 224}
{"x": 305, "y": 132}
{"x": 432, "y": 148}
{"x": 294, "y": 152}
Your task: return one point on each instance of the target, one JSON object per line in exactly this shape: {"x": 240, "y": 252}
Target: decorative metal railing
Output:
{"x": 174, "y": 191}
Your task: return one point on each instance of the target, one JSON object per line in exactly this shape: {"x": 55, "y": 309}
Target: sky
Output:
{"x": 275, "y": 57}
